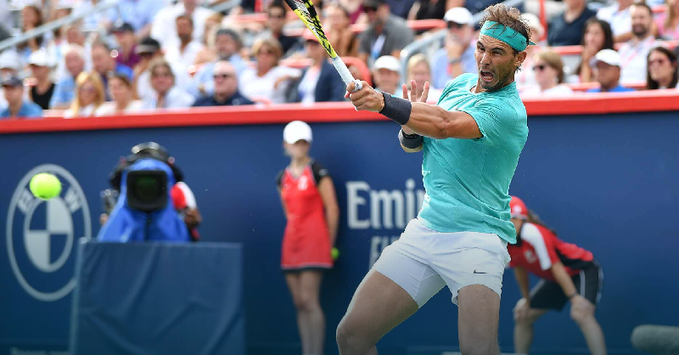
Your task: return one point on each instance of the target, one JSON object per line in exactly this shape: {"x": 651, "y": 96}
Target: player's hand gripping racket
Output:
{"x": 307, "y": 13}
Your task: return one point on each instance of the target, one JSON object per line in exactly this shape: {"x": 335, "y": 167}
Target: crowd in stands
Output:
{"x": 143, "y": 55}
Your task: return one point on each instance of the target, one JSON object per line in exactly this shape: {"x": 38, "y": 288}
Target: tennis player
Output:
{"x": 567, "y": 272}
{"x": 471, "y": 142}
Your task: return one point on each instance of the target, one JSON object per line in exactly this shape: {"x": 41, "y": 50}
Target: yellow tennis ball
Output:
{"x": 45, "y": 186}
{"x": 334, "y": 252}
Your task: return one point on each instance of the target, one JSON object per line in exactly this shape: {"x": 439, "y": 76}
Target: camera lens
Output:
{"x": 147, "y": 189}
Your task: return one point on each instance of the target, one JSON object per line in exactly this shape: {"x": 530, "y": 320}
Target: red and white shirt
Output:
{"x": 538, "y": 248}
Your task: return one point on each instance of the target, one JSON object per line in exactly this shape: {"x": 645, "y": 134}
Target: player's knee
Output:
{"x": 349, "y": 339}
{"x": 305, "y": 303}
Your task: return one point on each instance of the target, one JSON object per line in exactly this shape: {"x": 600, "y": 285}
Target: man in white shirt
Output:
{"x": 634, "y": 52}
{"x": 164, "y": 26}
{"x": 618, "y": 15}
{"x": 184, "y": 52}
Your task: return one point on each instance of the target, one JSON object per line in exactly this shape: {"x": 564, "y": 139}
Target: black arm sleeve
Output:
{"x": 319, "y": 172}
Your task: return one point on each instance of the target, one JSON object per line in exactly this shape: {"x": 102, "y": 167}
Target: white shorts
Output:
{"x": 422, "y": 261}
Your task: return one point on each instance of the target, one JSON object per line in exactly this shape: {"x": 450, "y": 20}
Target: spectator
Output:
{"x": 633, "y": 53}
{"x": 127, "y": 44}
{"x": 228, "y": 45}
{"x": 9, "y": 66}
{"x": 597, "y": 36}
{"x": 149, "y": 49}
{"x": 566, "y": 29}
{"x": 668, "y": 21}
{"x": 276, "y": 14}
{"x": 225, "y": 88}
{"x": 90, "y": 95}
{"x": 606, "y": 69}
{"x": 340, "y": 34}
{"x": 549, "y": 75}
{"x": 138, "y": 13}
{"x": 526, "y": 78}
{"x": 618, "y": 16}
{"x": 165, "y": 93}
{"x": 662, "y": 69}
{"x": 17, "y": 106}
{"x": 320, "y": 82}
{"x": 400, "y": 8}
{"x": 268, "y": 81}
{"x": 457, "y": 57}
{"x": 355, "y": 10}
{"x": 64, "y": 92}
{"x": 429, "y": 9}
{"x": 31, "y": 17}
{"x": 209, "y": 53}
{"x": 74, "y": 37}
{"x": 164, "y": 25}
{"x": 184, "y": 52}
{"x": 104, "y": 64}
{"x": 419, "y": 70}
{"x": 387, "y": 75}
{"x": 386, "y": 35}
{"x": 122, "y": 92}
{"x": 42, "y": 87}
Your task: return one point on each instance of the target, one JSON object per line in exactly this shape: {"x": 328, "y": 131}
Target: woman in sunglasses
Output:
{"x": 661, "y": 72}
{"x": 549, "y": 76}
{"x": 89, "y": 95}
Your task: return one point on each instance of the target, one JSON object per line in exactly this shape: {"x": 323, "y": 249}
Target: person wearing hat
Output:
{"x": 127, "y": 55}
{"x": 10, "y": 65}
{"x": 566, "y": 29}
{"x": 310, "y": 206}
{"x": 387, "y": 34}
{"x": 42, "y": 87}
{"x": 227, "y": 44}
{"x": 387, "y": 75}
{"x": 471, "y": 142}
{"x": 320, "y": 82}
{"x": 457, "y": 57}
{"x": 560, "y": 266}
{"x": 606, "y": 69}
{"x": 225, "y": 88}
{"x": 17, "y": 106}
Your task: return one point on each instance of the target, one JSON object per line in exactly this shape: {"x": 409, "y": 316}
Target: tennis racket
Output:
{"x": 307, "y": 13}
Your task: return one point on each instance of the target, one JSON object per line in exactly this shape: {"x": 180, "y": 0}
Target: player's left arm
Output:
{"x": 327, "y": 191}
{"x": 424, "y": 119}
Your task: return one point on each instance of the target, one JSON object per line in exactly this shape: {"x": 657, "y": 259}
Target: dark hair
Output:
{"x": 644, "y": 5}
{"x": 38, "y": 39}
{"x": 278, "y": 4}
{"x": 654, "y": 85}
{"x": 122, "y": 77}
{"x": 185, "y": 17}
{"x": 229, "y": 32}
{"x": 608, "y": 36}
{"x": 507, "y": 16}
{"x": 534, "y": 219}
{"x": 101, "y": 44}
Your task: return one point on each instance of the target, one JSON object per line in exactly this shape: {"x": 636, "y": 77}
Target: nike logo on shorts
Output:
{"x": 479, "y": 272}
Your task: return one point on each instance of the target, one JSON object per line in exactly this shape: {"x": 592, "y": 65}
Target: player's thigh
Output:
{"x": 310, "y": 285}
{"x": 478, "y": 317}
{"x": 378, "y": 306}
{"x": 292, "y": 278}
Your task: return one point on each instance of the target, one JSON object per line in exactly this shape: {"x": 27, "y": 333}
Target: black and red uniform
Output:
{"x": 306, "y": 242}
{"x": 537, "y": 249}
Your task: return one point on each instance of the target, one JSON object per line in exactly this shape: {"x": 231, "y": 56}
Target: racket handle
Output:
{"x": 345, "y": 74}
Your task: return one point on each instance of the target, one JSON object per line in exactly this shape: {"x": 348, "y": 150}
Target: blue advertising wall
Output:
{"x": 607, "y": 183}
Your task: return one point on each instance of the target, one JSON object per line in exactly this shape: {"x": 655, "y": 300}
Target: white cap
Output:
{"x": 387, "y": 62}
{"x": 608, "y": 56}
{"x": 295, "y": 131}
{"x": 10, "y": 59}
{"x": 459, "y": 15}
{"x": 40, "y": 58}
{"x": 533, "y": 22}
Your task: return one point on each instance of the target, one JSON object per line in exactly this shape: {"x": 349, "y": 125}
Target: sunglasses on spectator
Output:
{"x": 222, "y": 76}
{"x": 540, "y": 67}
{"x": 368, "y": 9}
{"x": 266, "y": 51}
{"x": 146, "y": 55}
{"x": 278, "y": 16}
{"x": 657, "y": 61}
{"x": 311, "y": 42}
{"x": 89, "y": 89}
{"x": 452, "y": 25}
